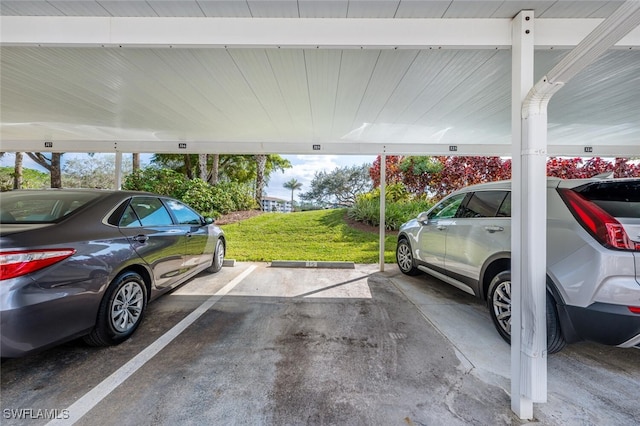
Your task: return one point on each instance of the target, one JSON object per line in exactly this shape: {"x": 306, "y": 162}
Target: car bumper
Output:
{"x": 33, "y": 318}
{"x": 604, "y": 323}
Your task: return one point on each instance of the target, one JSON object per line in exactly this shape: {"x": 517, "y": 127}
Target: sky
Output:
{"x": 303, "y": 169}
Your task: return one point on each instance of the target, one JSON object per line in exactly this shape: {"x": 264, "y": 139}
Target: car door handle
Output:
{"x": 441, "y": 227}
{"x": 493, "y": 228}
{"x": 188, "y": 234}
{"x": 141, "y": 238}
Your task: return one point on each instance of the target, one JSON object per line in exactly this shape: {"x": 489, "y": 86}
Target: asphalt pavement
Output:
{"x": 257, "y": 345}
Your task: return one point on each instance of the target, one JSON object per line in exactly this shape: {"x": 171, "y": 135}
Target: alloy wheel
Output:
{"x": 502, "y": 305}
{"x": 127, "y": 306}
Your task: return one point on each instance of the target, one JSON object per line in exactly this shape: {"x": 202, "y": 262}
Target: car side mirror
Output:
{"x": 423, "y": 218}
{"x": 207, "y": 221}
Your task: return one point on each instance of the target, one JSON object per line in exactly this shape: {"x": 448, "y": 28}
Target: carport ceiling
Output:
{"x": 352, "y": 76}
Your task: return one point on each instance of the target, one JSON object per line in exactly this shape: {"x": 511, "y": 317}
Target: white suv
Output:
{"x": 593, "y": 255}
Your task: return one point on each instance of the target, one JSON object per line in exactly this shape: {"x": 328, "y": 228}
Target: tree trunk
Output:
{"x": 56, "y": 171}
{"x": 17, "y": 173}
{"x": 52, "y": 165}
{"x": 187, "y": 166}
{"x": 136, "y": 161}
{"x": 215, "y": 169}
{"x": 261, "y": 161}
{"x": 202, "y": 162}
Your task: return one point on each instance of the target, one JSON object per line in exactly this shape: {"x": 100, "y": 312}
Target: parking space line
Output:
{"x": 83, "y": 405}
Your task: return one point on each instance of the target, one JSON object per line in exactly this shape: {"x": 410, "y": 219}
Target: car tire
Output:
{"x": 404, "y": 258}
{"x": 499, "y": 301}
{"x": 218, "y": 257}
{"x": 121, "y": 311}
{"x": 555, "y": 339}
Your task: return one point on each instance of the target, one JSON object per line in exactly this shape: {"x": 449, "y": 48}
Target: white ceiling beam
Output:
{"x": 290, "y": 33}
{"x": 302, "y": 148}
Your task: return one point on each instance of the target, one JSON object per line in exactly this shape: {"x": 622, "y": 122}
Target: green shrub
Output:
{"x": 367, "y": 210}
{"x": 394, "y": 193}
{"x": 212, "y": 201}
{"x": 200, "y": 195}
{"x": 241, "y": 194}
{"x": 31, "y": 179}
{"x": 157, "y": 180}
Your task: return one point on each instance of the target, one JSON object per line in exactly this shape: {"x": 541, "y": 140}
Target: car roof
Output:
{"x": 552, "y": 182}
{"x": 103, "y": 192}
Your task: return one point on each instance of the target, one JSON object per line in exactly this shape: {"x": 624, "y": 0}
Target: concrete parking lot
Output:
{"x": 260, "y": 345}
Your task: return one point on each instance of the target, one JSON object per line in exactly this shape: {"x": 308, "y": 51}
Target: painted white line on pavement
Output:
{"x": 97, "y": 394}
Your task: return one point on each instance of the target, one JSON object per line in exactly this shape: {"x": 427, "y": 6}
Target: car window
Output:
{"x": 129, "y": 218}
{"x": 183, "y": 214}
{"x": 619, "y": 199}
{"x": 505, "y": 207}
{"x": 41, "y": 206}
{"x": 447, "y": 208}
{"x": 151, "y": 211}
{"x": 482, "y": 204}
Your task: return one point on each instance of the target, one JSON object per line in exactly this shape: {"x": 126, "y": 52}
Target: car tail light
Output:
{"x": 16, "y": 263}
{"x": 634, "y": 309}
{"x": 600, "y": 224}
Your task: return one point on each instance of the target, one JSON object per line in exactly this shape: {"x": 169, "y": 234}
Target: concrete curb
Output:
{"x": 229, "y": 262}
{"x": 307, "y": 264}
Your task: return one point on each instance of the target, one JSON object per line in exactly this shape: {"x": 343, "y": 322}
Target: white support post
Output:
{"x": 521, "y": 83}
{"x": 383, "y": 206}
{"x": 118, "y": 170}
{"x": 528, "y": 258}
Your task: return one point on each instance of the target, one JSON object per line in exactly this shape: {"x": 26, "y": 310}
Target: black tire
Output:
{"x": 499, "y": 302}
{"x": 114, "y": 324}
{"x": 555, "y": 339}
{"x": 218, "y": 257}
{"x": 404, "y": 258}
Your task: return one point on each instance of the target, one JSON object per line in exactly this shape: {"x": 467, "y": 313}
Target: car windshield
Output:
{"x": 40, "y": 206}
{"x": 619, "y": 199}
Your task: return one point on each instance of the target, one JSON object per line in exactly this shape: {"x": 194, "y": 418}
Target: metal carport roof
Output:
{"x": 335, "y": 77}
{"x": 282, "y": 76}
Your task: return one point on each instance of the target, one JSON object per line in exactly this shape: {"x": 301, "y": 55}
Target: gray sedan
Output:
{"x": 85, "y": 263}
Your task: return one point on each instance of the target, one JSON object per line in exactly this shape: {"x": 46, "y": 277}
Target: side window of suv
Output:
{"x": 447, "y": 208}
{"x": 505, "y": 208}
{"x": 483, "y": 204}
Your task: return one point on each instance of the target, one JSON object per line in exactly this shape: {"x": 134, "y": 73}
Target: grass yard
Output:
{"x": 321, "y": 235}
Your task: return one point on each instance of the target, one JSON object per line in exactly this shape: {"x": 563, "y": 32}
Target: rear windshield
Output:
{"x": 619, "y": 199}
{"x": 40, "y": 206}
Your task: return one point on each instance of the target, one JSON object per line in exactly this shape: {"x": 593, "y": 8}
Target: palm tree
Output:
{"x": 293, "y": 185}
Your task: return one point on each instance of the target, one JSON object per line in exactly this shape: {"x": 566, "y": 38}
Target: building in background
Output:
{"x": 272, "y": 204}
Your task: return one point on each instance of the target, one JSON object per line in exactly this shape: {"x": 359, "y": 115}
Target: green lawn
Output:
{"x": 320, "y": 235}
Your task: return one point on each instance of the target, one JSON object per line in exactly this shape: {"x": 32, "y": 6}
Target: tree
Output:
{"x": 339, "y": 187}
{"x": 576, "y": 168}
{"x": 18, "y": 172}
{"x": 293, "y": 185}
{"x": 202, "y": 166}
{"x": 51, "y": 164}
{"x": 229, "y": 168}
{"x": 135, "y": 161}
{"x": 458, "y": 172}
{"x": 438, "y": 176}
{"x": 32, "y": 179}
{"x": 393, "y": 172}
{"x": 215, "y": 169}
{"x": 92, "y": 171}
{"x": 261, "y": 165}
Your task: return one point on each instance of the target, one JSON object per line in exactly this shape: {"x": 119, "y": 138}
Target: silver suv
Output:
{"x": 593, "y": 255}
